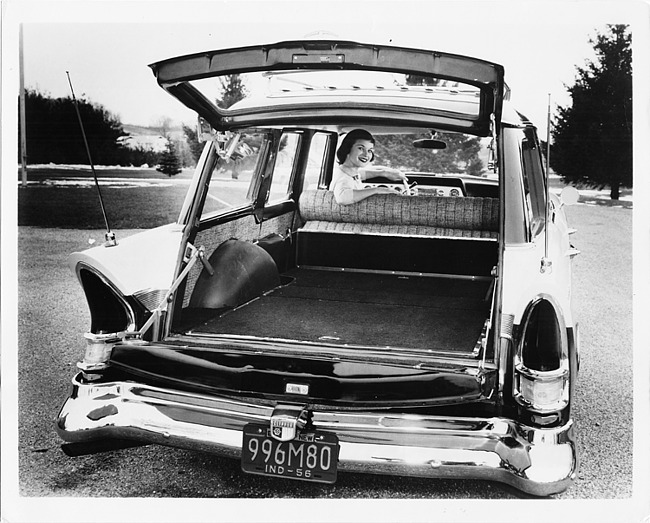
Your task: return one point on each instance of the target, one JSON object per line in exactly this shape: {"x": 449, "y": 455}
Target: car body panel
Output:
{"x": 145, "y": 260}
{"x": 334, "y": 379}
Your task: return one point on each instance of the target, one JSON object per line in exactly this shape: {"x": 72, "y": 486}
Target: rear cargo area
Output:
{"x": 361, "y": 308}
{"x": 410, "y": 273}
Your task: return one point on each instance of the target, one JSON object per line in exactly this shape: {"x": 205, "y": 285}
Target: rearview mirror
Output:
{"x": 427, "y": 143}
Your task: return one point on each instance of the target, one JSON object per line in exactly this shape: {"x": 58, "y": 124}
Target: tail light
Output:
{"x": 542, "y": 392}
{"x": 109, "y": 310}
{"x": 112, "y": 315}
{"x": 541, "y": 366}
{"x": 98, "y": 352}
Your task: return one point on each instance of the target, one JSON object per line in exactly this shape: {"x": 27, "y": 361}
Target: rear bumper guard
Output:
{"x": 537, "y": 461}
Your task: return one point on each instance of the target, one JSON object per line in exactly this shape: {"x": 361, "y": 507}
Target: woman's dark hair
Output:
{"x": 348, "y": 142}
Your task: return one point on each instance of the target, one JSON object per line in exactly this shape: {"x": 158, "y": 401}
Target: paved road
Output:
{"x": 53, "y": 317}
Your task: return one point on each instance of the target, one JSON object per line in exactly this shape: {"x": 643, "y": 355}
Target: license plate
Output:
{"x": 310, "y": 456}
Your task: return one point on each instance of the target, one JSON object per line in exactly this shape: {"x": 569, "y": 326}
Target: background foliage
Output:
{"x": 592, "y": 138}
{"x": 53, "y": 135}
{"x": 460, "y": 156}
{"x": 170, "y": 163}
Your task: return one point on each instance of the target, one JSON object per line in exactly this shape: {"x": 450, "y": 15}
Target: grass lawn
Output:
{"x": 39, "y": 173}
{"x": 45, "y": 202}
{"x": 78, "y": 208}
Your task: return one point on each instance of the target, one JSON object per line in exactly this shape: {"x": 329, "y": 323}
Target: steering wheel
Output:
{"x": 409, "y": 190}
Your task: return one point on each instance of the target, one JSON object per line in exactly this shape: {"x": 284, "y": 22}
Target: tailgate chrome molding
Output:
{"x": 537, "y": 461}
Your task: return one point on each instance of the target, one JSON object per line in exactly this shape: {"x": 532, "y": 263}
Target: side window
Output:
{"x": 284, "y": 164}
{"x": 534, "y": 181}
{"x": 315, "y": 161}
{"x": 233, "y": 179}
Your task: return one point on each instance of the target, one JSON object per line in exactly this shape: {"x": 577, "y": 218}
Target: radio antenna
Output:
{"x": 110, "y": 236}
{"x": 547, "y": 264}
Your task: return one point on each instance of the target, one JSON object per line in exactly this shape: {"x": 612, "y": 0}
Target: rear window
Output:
{"x": 259, "y": 89}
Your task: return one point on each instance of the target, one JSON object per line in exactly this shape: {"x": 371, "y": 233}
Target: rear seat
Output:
{"x": 395, "y": 215}
{"x": 388, "y": 232}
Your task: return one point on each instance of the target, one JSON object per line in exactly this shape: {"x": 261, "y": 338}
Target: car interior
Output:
{"x": 317, "y": 271}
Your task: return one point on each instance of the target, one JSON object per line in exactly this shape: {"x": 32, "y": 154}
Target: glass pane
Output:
{"x": 315, "y": 160}
{"x": 233, "y": 178}
{"x": 534, "y": 181}
{"x": 259, "y": 89}
{"x": 463, "y": 154}
{"x": 281, "y": 182}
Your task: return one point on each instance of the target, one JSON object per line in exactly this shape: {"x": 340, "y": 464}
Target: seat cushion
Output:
{"x": 395, "y": 230}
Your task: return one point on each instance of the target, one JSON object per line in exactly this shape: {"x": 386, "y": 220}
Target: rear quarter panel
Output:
{"x": 145, "y": 260}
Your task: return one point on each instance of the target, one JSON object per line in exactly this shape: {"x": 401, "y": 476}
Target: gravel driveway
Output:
{"x": 53, "y": 317}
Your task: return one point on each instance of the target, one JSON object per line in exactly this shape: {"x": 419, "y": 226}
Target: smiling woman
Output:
{"x": 355, "y": 156}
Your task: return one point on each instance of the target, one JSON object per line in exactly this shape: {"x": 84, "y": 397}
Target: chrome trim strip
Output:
{"x": 398, "y": 273}
{"x": 431, "y": 357}
{"x": 131, "y": 326}
{"x": 150, "y": 298}
{"x": 482, "y": 339}
{"x": 537, "y": 461}
{"x": 507, "y": 322}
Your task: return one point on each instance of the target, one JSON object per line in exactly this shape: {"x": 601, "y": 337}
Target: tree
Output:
{"x": 164, "y": 125}
{"x": 191, "y": 137}
{"x": 170, "y": 163}
{"x": 460, "y": 156}
{"x": 54, "y": 135}
{"x": 592, "y": 137}
{"x": 233, "y": 90}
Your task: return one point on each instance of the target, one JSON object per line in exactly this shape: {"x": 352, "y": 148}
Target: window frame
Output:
{"x": 533, "y": 182}
{"x": 203, "y": 222}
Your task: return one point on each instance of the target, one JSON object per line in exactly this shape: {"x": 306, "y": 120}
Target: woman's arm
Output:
{"x": 380, "y": 170}
{"x": 347, "y": 192}
{"x": 346, "y": 197}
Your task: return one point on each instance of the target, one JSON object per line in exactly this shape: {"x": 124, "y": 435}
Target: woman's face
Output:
{"x": 361, "y": 153}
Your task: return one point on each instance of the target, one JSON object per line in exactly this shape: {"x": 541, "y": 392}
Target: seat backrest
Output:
{"x": 471, "y": 213}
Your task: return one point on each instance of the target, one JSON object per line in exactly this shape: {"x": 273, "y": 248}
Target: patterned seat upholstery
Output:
{"x": 402, "y": 215}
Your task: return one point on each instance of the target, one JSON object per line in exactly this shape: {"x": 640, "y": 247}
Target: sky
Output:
{"x": 107, "y": 47}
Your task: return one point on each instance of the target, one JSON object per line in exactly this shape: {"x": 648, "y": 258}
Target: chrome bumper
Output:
{"x": 536, "y": 461}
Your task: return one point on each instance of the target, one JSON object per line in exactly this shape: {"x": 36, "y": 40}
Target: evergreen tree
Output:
{"x": 592, "y": 138}
{"x": 196, "y": 147}
{"x": 233, "y": 90}
{"x": 170, "y": 163}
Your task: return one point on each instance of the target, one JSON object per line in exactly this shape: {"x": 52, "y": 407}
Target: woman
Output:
{"x": 355, "y": 156}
